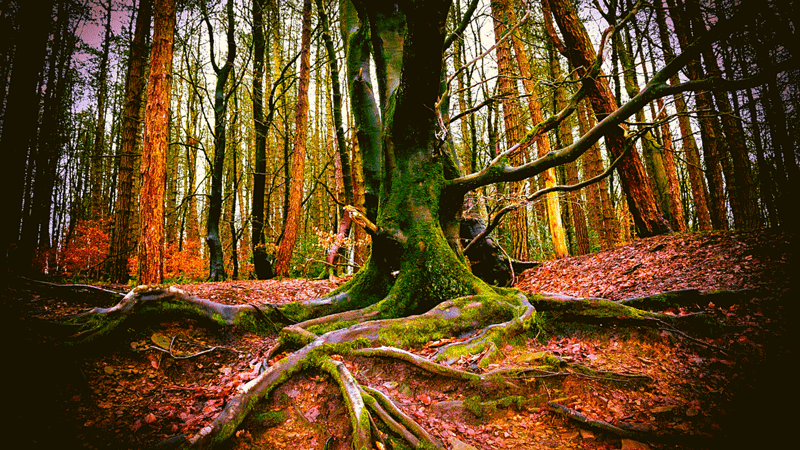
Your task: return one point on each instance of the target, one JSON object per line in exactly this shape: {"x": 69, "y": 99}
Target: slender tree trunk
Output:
{"x": 213, "y": 239}
{"x": 575, "y": 205}
{"x": 653, "y": 155}
{"x": 554, "y": 223}
{"x": 98, "y": 149}
{"x": 741, "y": 187}
{"x": 341, "y": 146}
{"x": 263, "y": 267}
{"x": 154, "y": 150}
{"x": 122, "y": 244}
{"x": 580, "y": 51}
{"x": 292, "y": 226}
{"x": 601, "y": 209}
{"x": 695, "y": 169}
{"x": 513, "y": 119}
{"x": 709, "y": 125}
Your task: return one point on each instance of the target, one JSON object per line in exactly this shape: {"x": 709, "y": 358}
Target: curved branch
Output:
{"x": 499, "y": 171}
{"x": 461, "y": 26}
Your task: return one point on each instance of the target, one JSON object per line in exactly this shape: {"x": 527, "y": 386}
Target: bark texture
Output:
{"x": 283, "y": 258}
{"x": 154, "y": 150}
{"x": 581, "y": 54}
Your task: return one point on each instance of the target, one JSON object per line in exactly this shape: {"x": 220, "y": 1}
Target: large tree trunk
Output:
{"x": 122, "y": 245}
{"x": 297, "y": 179}
{"x": 581, "y": 54}
{"x": 154, "y": 149}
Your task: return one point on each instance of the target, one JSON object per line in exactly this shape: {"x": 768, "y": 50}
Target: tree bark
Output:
{"x": 695, "y": 169}
{"x": 154, "y": 149}
{"x": 122, "y": 244}
{"x": 554, "y": 223}
{"x": 98, "y": 207}
{"x": 581, "y": 54}
{"x": 709, "y": 125}
{"x": 564, "y": 133}
{"x": 292, "y": 225}
{"x": 19, "y": 128}
{"x": 213, "y": 239}
{"x": 263, "y": 266}
{"x": 514, "y": 126}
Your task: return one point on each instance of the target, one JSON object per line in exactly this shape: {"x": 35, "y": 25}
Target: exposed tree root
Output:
{"x": 624, "y": 431}
{"x": 596, "y": 424}
{"x": 489, "y": 319}
{"x": 410, "y": 429}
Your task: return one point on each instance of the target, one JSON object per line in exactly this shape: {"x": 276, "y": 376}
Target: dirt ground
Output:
{"x": 664, "y": 389}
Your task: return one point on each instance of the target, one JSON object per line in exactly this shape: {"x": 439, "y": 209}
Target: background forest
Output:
{"x": 73, "y": 77}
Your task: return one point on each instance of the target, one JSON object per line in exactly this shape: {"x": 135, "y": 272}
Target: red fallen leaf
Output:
{"x": 150, "y": 418}
{"x": 425, "y": 399}
{"x": 136, "y": 425}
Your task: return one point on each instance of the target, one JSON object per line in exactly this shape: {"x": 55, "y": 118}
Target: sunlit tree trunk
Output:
{"x": 122, "y": 244}
{"x": 554, "y": 223}
{"x": 292, "y": 225}
{"x": 154, "y": 149}
{"x": 564, "y": 133}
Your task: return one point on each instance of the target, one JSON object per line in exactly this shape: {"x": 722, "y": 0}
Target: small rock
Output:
{"x": 630, "y": 444}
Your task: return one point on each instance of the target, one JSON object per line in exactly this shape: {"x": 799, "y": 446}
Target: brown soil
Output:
{"x": 153, "y": 380}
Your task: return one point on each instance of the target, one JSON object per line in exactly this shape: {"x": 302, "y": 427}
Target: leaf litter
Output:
{"x": 136, "y": 395}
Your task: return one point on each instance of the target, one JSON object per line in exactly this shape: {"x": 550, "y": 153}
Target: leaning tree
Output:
{"x": 416, "y": 279}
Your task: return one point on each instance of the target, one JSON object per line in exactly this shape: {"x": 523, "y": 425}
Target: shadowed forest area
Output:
{"x": 455, "y": 224}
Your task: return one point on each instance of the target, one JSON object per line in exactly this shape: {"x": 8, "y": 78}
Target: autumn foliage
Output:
{"x": 82, "y": 252}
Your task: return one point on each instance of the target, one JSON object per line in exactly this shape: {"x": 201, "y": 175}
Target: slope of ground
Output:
{"x": 166, "y": 378}
{"x": 705, "y": 261}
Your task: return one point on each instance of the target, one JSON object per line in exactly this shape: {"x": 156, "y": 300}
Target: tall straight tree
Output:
{"x": 154, "y": 148}
{"x": 97, "y": 205}
{"x": 215, "y": 256}
{"x": 19, "y": 120}
{"x": 263, "y": 266}
{"x": 513, "y": 120}
{"x": 121, "y": 243}
{"x": 689, "y": 145}
{"x": 707, "y": 118}
{"x": 554, "y": 223}
{"x": 292, "y": 225}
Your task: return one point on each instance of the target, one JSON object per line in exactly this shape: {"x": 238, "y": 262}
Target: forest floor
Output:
{"x": 733, "y": 389}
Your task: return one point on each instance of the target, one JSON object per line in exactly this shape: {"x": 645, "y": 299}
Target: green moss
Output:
{"x": 321, "y": 329}
{"x": 270, "y": 418}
